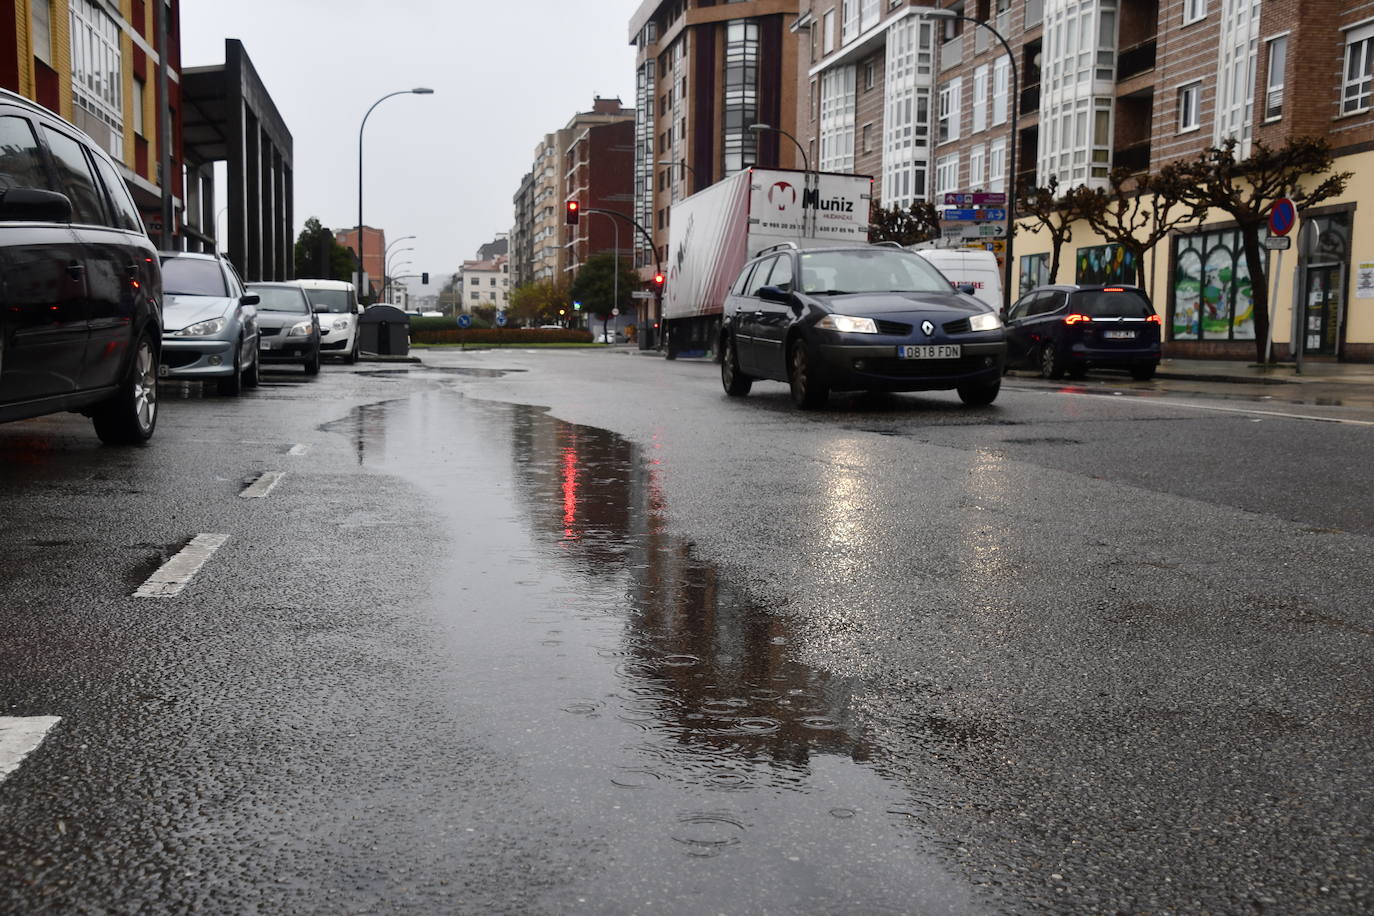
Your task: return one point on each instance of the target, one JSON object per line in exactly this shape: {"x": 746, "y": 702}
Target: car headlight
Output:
{"x": 987, "y": 321}
{"x": 202, "y": 329}
{"x": 341, "y": 324}
{"x": 847, "y": 324}
{"x": 300, "y": 329}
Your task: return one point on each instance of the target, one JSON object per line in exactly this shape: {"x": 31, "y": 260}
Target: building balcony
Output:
{"x": 1135, "y": 157}
{"x": 951, "y": 53}
{"x": 1135, "y": 60}
{"x": 1030, "y": 99}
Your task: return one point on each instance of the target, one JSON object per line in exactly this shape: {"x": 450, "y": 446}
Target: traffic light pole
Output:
{"x": 648, "y": 240}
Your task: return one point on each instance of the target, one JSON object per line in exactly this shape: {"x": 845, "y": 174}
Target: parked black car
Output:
{"x": 1066, "y": 330}
{"x": 288, "y": 328}
{"x": 80, "y": 285}
{"x": 862, "y": 317}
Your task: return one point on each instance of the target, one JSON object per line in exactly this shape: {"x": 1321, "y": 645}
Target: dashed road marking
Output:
{"x": 299, "y": 448}
{"x": 19, "y": 737}
{"x": 177, "y": 572}
{"x": 1189, "y": 405}
{"x": 263, "y": 485}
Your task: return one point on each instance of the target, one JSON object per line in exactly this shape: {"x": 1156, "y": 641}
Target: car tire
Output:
{"x": 1143, "y": 372}
{"x": 1051, "y": 365}
{"x": 130, "y": 415}
{"x": 979, "y": 395}
{"x": 232, "y": 386}
{"x": 312, "y": 365}
{"x": 809, "y": 388}
{"x": 735, "y": 382}
{"x": 1077, "y": 371}
{"x": 253, "y": 376}
{"x": 351, "y": 356}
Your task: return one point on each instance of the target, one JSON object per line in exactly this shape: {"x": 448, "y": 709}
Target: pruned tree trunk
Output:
{"x": 1259, "y": 285}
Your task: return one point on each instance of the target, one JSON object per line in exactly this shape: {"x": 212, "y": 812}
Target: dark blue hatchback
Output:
{"x": 1067, "y": 330}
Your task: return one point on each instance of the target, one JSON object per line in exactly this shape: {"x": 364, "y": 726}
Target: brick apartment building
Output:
{"x": 926, "y": 106}
{"x": 599, "y": 173}
{"x": 539, "y": 242}
{"x": 374, "y": 256}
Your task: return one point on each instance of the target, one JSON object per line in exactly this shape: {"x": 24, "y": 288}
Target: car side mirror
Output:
{"x": 250, "y": 299}
{"x": 967, "y": 288}
{"x": 774, "y": 294}
{"x": 32, "y": 205}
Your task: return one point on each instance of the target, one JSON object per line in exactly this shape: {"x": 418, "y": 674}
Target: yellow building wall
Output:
{"x": 1359, "y": 312}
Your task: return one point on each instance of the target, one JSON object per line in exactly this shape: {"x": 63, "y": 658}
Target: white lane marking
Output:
{"x": 176, "y": 573}
{"x": 299, "y": 449}
{"x": 263, "y": 485}
{"x": 20, "y": 737}
{"x": 1278, "y": 414}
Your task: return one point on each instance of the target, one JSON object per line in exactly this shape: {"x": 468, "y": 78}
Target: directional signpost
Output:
{"x": 991, "y": 199}
{"x": 974, "y": 218}
{"x": 465, "y": 320}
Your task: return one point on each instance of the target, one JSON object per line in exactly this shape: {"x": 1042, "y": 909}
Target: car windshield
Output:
{"x": 1111, "y": 303}
{"x": 192, "y": 277}
{"x": 330, "y": 300}
{"x": 281, "y": 299}
{"x": 876, "y": 270}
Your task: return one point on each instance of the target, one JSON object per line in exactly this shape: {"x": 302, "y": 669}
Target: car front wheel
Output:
{"x": 809, "y": 389}
{"x": 735, "y": 382}
{"x": 253, "y": 376}
{"x": 312, "y": 363}
{"x": 130, "y": 416}
{"x": 231, "y": 386}
{"x": 979, "y": 395}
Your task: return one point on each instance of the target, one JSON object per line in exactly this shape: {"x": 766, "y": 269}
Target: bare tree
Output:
{"x": 1054, "y": 212}
{"x": 919, "y": 222}
{"x": 1245, "y": 190}
{"x": 1137, "y": 212}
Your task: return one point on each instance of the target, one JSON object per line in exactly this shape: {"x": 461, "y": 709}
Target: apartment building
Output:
{"x": 599, "y": 174}
{"x": 485, "y": 282}
{"x": 539, "y": 241}
{"x": 374, "y": 257}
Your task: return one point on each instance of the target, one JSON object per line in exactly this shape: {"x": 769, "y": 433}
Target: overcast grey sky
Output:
{"x": 441, "y": 167}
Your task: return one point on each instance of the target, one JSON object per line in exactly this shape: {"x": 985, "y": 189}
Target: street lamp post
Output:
{"x": 806, "y": 163}
{"x": 418, "y": 90}
{"x": 1015, "y": 110}
{"x": 682, "y": 163}
{"x": 387, "y": 262}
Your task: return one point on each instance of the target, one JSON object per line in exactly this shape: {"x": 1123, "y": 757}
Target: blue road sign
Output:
{"x": 992, "y": 215}
{"x": 1282, "y": 216}
{"x": 465, "y": 320}
{"x": 500, "y": 319}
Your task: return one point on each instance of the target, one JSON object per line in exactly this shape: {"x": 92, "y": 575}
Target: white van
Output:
{"x": 974, "y": 266}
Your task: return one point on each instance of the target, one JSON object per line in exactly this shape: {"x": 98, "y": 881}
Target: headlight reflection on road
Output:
{"x": 847, "y": 512}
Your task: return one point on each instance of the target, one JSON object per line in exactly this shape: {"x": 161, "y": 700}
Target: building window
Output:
{"x": 741, "y": 108}
{"x": 871, "y": 11}
{"x": 850, "y": 29}
{"x": 1035, "y": 271}
{"x": 906, "y": 112}
{"x": 977, "y": 156}
{"x": 869, "y": 69}
{"x": 1188, "y": 99}
{"x": 1359, "y": 70}
{"x": 1078, "y": 92}
{"x": 947, "y": 174}
{"x": 1193, "y": 10}
{"x": 979, "y": 110}
{"x": 837, "y": 119}
{"x": 41, "y": 17}
{"x": 949, "y": 110}
{"x": 828, "y": 32}
{"x": 1211, "y": 292}
{"x": 1001, "y": 82}
{"x": 1233, "y": 118}
{"x": 866, "y": 134}
{"x": 140, "y": 93}
{"x": 97, "y": 75}
{"x": 1100, "y": 264}
{"x": 997, "y": 166}
{"x": 1273, "y": 90}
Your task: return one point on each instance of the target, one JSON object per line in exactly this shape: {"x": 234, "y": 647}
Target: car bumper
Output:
{"x": 279, "y": 349}
{"x": 196, "y": 358}
{"x": 1101, "y": 356}
{"x": 851, "y": 367}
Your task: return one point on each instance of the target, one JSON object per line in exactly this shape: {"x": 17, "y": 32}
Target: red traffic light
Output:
{"x": 572, "y": 213}
{"x": 658, "y": 279}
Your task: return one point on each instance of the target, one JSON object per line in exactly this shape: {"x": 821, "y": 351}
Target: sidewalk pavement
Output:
{"x": 1215, "y": 370}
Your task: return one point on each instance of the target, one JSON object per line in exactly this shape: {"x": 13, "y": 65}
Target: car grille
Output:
{"x": 923, "y": 368}
{"x": 957, "y": 327}
{"x": 269, "y": 332}
{"x": 893, "y": 327}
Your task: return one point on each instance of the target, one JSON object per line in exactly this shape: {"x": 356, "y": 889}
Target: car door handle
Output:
{"x": 74, "y": 269}
{"x": 759, "y": 313}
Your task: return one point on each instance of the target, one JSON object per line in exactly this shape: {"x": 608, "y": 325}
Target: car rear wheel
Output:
{"x": 232, "y": 385}
{"x": 1077, "y": 371}
{"x": 979, "y": 395}
{"x": 312, "y": 363}
{"x": 736, "y": 383}
{"x": 1143, "y": 372}
{"x": 1051, "y": 365}
{"x": 130, "y": 416}
{"x": 809, "y": 389}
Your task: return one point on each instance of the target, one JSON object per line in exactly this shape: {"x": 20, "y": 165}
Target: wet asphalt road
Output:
{"x": 568, "y": 631}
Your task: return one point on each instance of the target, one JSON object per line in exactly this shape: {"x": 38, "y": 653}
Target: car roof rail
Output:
{"x": 889, "y": 243}
{"x": 789, "y": 244}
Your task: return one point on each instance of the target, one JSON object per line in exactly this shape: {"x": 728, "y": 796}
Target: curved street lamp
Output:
{"x": 806, "y": 163}
{"x": 418, "y": 90}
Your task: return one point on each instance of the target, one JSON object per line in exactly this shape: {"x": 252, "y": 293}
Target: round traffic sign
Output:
{"x": 1282, "y": 216}
{"x": 500, "y": 319}
{"x": 465, "y": 320}
{"x": 615, "y": 311}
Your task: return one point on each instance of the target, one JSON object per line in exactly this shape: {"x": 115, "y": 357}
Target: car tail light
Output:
{"x": 1077, "y": 319}
{"x": 1155, "y": 319}
{"x": 1112, "y": 289}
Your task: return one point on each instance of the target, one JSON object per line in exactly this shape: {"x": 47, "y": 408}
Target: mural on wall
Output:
{"x": 1104, "y": 264}
{"x": 1035, "y": 271}
{"x": 1212, "y": 295}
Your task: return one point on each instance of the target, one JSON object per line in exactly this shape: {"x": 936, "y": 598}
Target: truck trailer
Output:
{"x": 713, "y": 233}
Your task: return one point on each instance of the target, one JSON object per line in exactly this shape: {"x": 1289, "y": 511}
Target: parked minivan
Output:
{"x": 336, "y": 303}
{"x": 80, "y": 305}
{"x": 1067, "y": 329}
{"x": 969, "y": 267}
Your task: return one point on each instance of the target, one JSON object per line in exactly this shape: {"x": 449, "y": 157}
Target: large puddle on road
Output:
{"x": 660, "y": 719}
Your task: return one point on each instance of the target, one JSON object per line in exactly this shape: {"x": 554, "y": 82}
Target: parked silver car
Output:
{"x": 210, "y": 321}
{"x": 288, "y": 328}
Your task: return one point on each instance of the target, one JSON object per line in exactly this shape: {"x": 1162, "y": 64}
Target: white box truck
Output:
{"x": 715, "y": 231}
